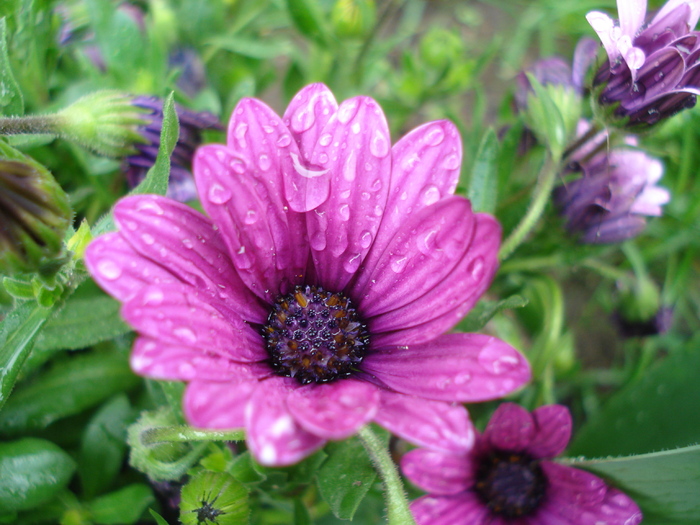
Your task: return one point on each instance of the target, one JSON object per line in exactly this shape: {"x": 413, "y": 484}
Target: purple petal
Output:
{"x": 423, "y": 251}
{"x": 450, "y": 510}
{"x": 510, "y": 428}
{"x": 241, "y": 208}
{"x": 355, "y": 147}
{"x": 453, "y": 367}
{"x": 334, "y": 410}
{"x": 573, "y": 488}
{"x": 440, "y": 473}
{"x": 445, "y": 305}
{"x": 158, "y": 360}
{"x": 120, "y": 270}
{"x": 631, "y": 13}
{"x": 218, "y": 405}
{"x": 661, "y": 72}
{"x": 679, "y": 15}
{"x": 179, "y": 315}
{"x": 273, "y": 436}
{"x": 604, "y": 26}
{"x": 552, "y": 431}
{"x": 432, "y": 424}
{"x": 185, "y": 242}
{"x": 584, "y": 56}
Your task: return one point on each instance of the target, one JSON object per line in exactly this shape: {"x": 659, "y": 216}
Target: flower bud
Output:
{"x": 353, "y": 18}
{"x": 34, "y": 214}
{"x": 214, "y": 498}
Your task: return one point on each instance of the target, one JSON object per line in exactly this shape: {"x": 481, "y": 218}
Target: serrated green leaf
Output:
{"x": 11, "y": 100}
{"x": 32, "y": 471}
{"x": 659, "y": 411}
{"x": 483, "y": 184}
{"x": 122, "y": 507}
{"x": 17, "y": 334}
{"x": 156, "y": 180}
{"x": 104, "y": 445}
{"x": 345, "y": 477}
{"x": 485, "y": 310}
{"x": 68, "y": 388}
{"x": 664, "y": 484}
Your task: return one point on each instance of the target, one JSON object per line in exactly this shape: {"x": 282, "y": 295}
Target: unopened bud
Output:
{"x": 353, "y": 18}
{"x": 214, "y": 498}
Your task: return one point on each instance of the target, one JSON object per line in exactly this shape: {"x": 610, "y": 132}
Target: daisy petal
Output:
{"x": 571, "y": 487}
{"x": 158, "y": 360}
{"x": 355, "y": 147}
{"x": 440, "y": 473}
{"x": 553, "y": 431}
{"x": 334, "y": 410}
{"x": 434, "y": 424}
{"x": 453, "y": 367}
{"x": 177, "y": 237}
{"x": 449, "y": 510}
{"x": 274, "y": 437}
{"x": 217, "y": 405}
{"x": 510, "y": 428}
{"x": 422, "y": 252}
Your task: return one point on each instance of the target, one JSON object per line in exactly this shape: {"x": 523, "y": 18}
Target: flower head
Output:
{"x": 316, "y": 296}
{"x": 609, "y": 203}
{"x": 652, "y": 70}
{"x": 181, "y": 185}
{"x": 509, "y": 478}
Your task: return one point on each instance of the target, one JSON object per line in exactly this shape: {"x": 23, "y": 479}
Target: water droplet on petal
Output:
{"x": 378, "y": 210}
{"x": 347, "y": 111}
{"x": 425, "y": 242}
{"x": 476, "y": 268}
{"x": 218, "y": 194}
{"x": 451, "y": 162}
{"x": 268, "y": 129}
{"x": 377, "y": 185}
{"x": 148, "y": 238}
{"x": 430, "y": 195}
{"x": 350, "y": 168}
{"x": 365, "y": 239}
{"x": 264, "y": 162}
{"x": 238, "y": 166}
{"x": 379, "y": 146}
{"x": 398, "y": 263}
{"x": 497, "y": 359}
{"x": 284, "y": 140}
{"x": 148, "y": 205}
{"x": 344, "y": 212}
{"x": 240, "y": 132}
{"x": 318, "y": 241}
{"x": 365, "y": 195}
{"x": 109, "y": 269}
{"x": 186, "y": 334}
{"x": 251, "y": 217}
{"x": 153, "y": 297}
{"x": 325, "y": 139}
{"x": 410, "y": 162}
{"x": 434, "y": 136}
{"x": 353, "y": 263}
{"x": 131, "y": 225}
{"x": 187, "y": 243}
{"x": 323, "y": 158}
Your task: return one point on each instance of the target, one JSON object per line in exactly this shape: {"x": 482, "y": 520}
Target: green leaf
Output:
{"x": 125, "y": 506}
{"x": 11, "y": 100}
{"x": 309, "y": 20}
{"x": 17, "y": 334}
{"x": 156, "y": 180}
{"x": 70, "y": 387}
{"x": 160, "y": 520}
{"x": 253, "y": 47}
{"x": 245, "y": 470}
{"x": 32, "y": 471}
{"x": 659, "y": 411}
{"x": 664, "y": 484}
{"x": 485, "y": 310}
{"x": 345, "y": 477}
{"x": 82, "y": 323}
{"x": 104, "y": 445}
{"x": 483, "y": 184}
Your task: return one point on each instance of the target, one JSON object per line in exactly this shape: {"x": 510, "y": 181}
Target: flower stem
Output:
{"x": 397, "y": 505}
{"x": 543, "y": 189}
{"x": 184, "y": 433}
{"x": 28, "y": 125}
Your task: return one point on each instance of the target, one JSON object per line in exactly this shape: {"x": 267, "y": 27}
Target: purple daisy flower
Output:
{"x": 616, "y": 193}
{"x": 652, "y": 70}
{"x": 508, "y": 478}
{"x": 181, "y": 185}
{"x": 316, "y": 296}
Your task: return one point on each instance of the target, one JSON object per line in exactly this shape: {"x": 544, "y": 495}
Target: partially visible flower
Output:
{"x": 181, "y": 186}
{"x": 316, "y": 297}
{"x": 192, "y": 77}
{"x": 652, "y": 71}
{"x": 609, "y": 203}
{"x": 34, "y": 215}
{"x": 659, "y": 323}
{"x": 508, "y": 478}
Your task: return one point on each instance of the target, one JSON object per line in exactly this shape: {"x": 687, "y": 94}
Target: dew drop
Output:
{"x": 377, "y": 185}
{"x": 238, "y": 166}
{"x": 148, "y": 205}
{"x": 352, "y": 263}
{"x": 318, "y": 241}
{"x": 434, "y": 136}
{"x": 131, "y": 225}
{"x": 186, "y": 334}
{"x": 148, "y": 238}
{"x": 430, "y": 195}
{"x": 347, "y": 111}
{"x": 378, "y": 210}
{"x": 187, "y": 243}
{"x": 379, "y": 146}
{"x": 350, "y": 168}
{"x": 264, "y": 162}
{"x": 218, "y": 194}
{"x": 365, "y": 195}
{"x": 284, "y": 140}
{"x": 365, "y": 239}
{"x": 345, "y": 194}
{"x": 425, "y": 242}
{"x": 476, "y": 268}
{"x": 251, "y": 217}
{"x": 109, "y": 269}
{"x": 497, "y": 360}
{"x": 451, "y": 162}
{"x": 153, "y": 297}
{"x": 268, "y": 129}
{"x": 304, "y": 118}
{"x": 325, "y": 139}
{"x": 344, "y": 212}
{"x": 355, "y": 128}
{"x": 240, "y": 132}
{"x": 323, "y": 158}
{"x": 398, "y": 263}
{"x": 410, "y": 162}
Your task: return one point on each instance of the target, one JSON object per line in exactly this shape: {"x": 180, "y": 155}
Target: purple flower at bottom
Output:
{"x": 652, "y": 71}
{"x": 316, "y": 296}
{"x": 181, "y": 185}
{"x": 508, "y": 478}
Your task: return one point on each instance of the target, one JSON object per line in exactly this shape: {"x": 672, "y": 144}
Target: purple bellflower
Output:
{"x": 508, "y": 478}
{"x": 315, "y": 296}
{"x": 609, "y": 203}
{"x": 181, "y": 185}
{"x": 652, "y": 69}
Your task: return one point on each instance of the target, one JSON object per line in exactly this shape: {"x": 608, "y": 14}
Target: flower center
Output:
{"x": 315, "y": 336}
{"x": 510, "y": 484}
